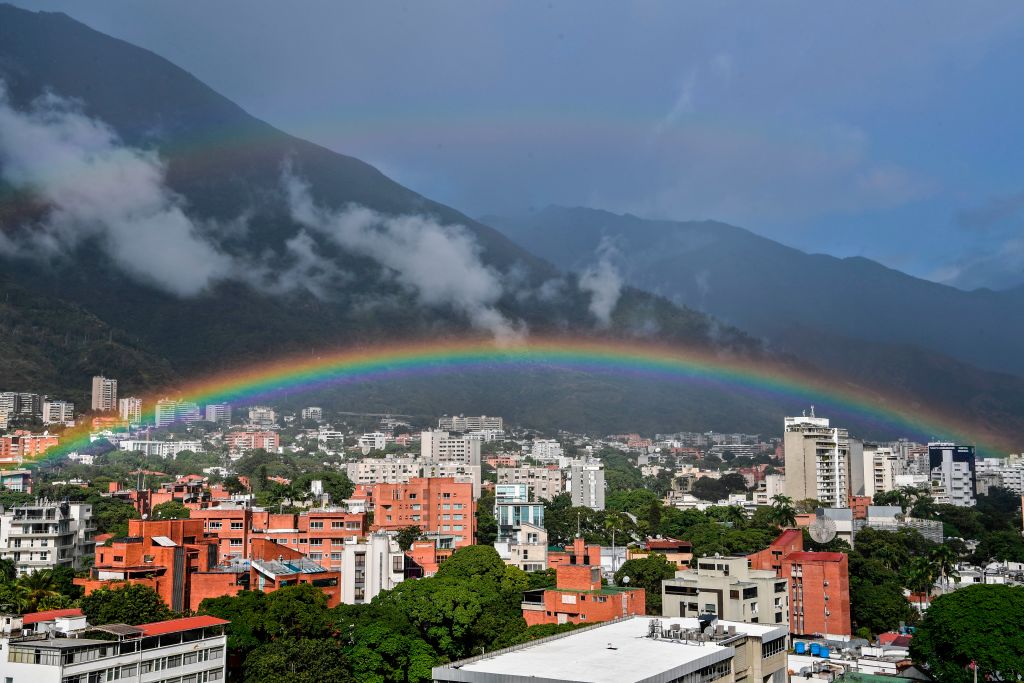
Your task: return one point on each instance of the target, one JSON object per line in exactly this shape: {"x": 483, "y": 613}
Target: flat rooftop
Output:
{"x": 614, "y": 652}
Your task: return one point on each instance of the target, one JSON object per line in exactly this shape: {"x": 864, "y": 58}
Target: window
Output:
{"x": 458, "y": 506}
{"x": 773, "y": 647}
{"x": 337, "y": 525}
{"x": 316, "y": 525}
{"x": 316, "y": 541}
{"x": 235, "y": 542}
{"x": 213, "y": 525}
{"x": 237, "y": 526}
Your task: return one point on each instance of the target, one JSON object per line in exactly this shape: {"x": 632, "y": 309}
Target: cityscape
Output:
{"x": 562, "y": 341}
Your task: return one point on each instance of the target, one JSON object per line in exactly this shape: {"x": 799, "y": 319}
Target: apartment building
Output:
{"x": 315, "y": 413}
{"x": 546, "y": 450}
{"x": 262, "y": 416}
{"x": 130, "y": 409}
{"x": 544, "y": 482}
{"x": 952, "y": 470}
{"x": 772, "y": 485}
{"x": 585, "y": 483}
{"x": 881, "y": 466}
{"x": 58, "y": 412}
{"x": 191, "y": 649}
{"x": 440, "y": 446}
{"x": 248, "y": 440}
{"x": 104, "y": 394}
{"x": 679, "y": 553}
{"x": 636, "y": 649}
{"x": 16, "y": 480}
{"x": 170, "y": 411}
{"x": 819, "y": 585}
{"x": 436, "y": 505}
{"x": 23, "y": 445}
{"x": 579, "y": 597}
{"x": 373, "y": 441}
{"x": 463, "y": 423}
{"x": 513, "y": 508}
{"x": 45, "y": 535}
{"x": 729, "y": 589}
{"x": 527, "y": 549}
{"x": 388, "y": 470}
{"x": 163, "y": 449}
{"x": 369, "y": 566}
{"x": 218, "y": 413}
{"x": 817, "y": 460}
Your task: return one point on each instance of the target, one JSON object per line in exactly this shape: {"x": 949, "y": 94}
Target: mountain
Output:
{"x": 220, "y": 167}
{"x": 717, "y": 268}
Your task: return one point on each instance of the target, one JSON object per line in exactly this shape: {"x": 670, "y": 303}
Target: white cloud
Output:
{"x": 95, "y": 187}
{"x": 439, "y": 263}
{"x": 604, "y": 284}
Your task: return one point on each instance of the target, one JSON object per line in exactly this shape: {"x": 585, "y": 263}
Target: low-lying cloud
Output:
{"x": 94, "y": 187}
{"x": 604, "y": 284}
{"x": 440, "y": 264}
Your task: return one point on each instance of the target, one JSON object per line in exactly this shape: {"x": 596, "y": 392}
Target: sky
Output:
{"x": 884, "y": 130}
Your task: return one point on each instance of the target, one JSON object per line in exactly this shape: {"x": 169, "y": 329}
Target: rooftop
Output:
{"x": 37, "y": 617}
{"x": 174, "y": 625}
{"x": 613, "y": 652}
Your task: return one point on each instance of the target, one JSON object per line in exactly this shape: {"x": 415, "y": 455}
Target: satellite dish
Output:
{"x": 822, "y": 530}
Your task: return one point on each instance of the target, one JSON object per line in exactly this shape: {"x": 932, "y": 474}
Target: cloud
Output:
{"x": 999, "y": 268}
{"x": 94, "y": 187}
{"x": 604, "y": 284}
{"x": 995, "y": 212}
{"x": 439, "y": 263}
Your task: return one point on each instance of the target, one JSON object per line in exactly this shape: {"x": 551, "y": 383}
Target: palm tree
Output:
{"x": 921, "y": 578}
{"x": 39, "y": 586}
{"x": 944, "y": 560}
{"x": 783, "y": 511}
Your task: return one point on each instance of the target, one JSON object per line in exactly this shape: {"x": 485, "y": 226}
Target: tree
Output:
{"x": 305, "y": 660}
{"x": 944, "y": 560}
{"x": 486, "y": 524}
{"x": 982, "y": 624}
{"x": 112, "y": 515}
{"x": 647, "y": 573}
{"x": 407, "y": 536}
{"x": 783, "y": 512}
{"x": 131, "y": 604}
{"x": 172, "y": 509}
{"x": 920, "y": 578}
{"x": 8, "y": 570}
{"x": 39, "y": 586}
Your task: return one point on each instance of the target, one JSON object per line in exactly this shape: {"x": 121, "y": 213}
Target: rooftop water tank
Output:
{"x": 800, "y": 648}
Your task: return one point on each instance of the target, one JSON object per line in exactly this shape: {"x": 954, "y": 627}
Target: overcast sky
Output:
{"x": 887, "y": 130}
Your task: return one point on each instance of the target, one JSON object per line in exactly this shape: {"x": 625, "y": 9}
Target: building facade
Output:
{"x": 104, "y": 394}
{"x": 585, "y": 482}
{"x": 817, "y": 461}
{"x": 130, "y": 409}
{"x": 440, "y": 446}
{"x": 45, "y": 535}
{"x": 435, "y": 505}
{"x": 729, "y": 589}
{"x": 58, "y": 412}
{"x": 952, "y": 473}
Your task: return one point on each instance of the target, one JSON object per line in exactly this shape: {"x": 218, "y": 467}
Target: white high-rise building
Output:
{"x": 169, "y": 412}
{"x": 104, "y": 394}
{"x": 586, "y": 484}
{"x": 45, "y": 535}
{"x": 261, "y": 416}
{"x": 377, "y": 564}
{"x": 130, "y": 409}
{"x": 58, "y": 412}
{"x": 952, "y": 473}
{"x": 438, "y": 446}
{"x": 546, "y": 450}
{"x": 313, "y": 413}
{"x": 374, "y": 441}
{"x": 220, "y": 413}
{"x": 881, "y": 465}
{"x": 462, "y": 423}
{"x": 817, "y": 461}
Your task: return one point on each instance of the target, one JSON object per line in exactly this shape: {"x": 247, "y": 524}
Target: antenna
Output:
{"x": 812, "y": 411}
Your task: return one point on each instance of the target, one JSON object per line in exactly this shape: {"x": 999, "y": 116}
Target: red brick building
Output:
{"x": 577, "y": 553}
{"x": 819, "y": 584}
{"x": 437, "y": 505}
{"x": 674, "y": 550}
{"x": 579, "y": 597}
{"x": 859, "y": 505}
{"x": 250, "y": 440}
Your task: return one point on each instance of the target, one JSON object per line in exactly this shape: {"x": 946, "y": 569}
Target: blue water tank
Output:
{"x": 800, "y": 648}
{"x": 815, "y": 649}
{"x": 824, "y": 652}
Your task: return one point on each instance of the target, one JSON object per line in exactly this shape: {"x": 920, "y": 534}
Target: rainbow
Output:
{"x": 757, "y": 377}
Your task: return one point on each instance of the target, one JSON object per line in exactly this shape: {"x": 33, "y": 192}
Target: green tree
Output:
{"x": 982, "y": 624}
{"x": 647, "y": 573}
{"x": 783, "y": 512}
{"x": 407, "y": 536}
{"x": 39, "y": 586}
{"x": 112, "y": 515}
{"x": 944, "y": 560}
{"x": 305, "y": 660}
{"x": 131, "y": 604}
{"x": 486, "y": 524}
{"x": 172, "y": 509}
{"x": 8, "y": 570}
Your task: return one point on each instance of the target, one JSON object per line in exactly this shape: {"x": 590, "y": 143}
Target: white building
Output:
{"x": 881, "y": 466}
{"x": 313, "y": 413}
{"x": 952, "y": 473}
{"x": 462, "y": 423}
{"x": 45, "y": 535}
{"x": 219, "y": 413}
{"x": 637, "y": 649}
{"x": 772, "y": 485}
{"x": 104, "y": 394}
{"x": 58, "y": 412}
{"x": 440, "y": 446}
{"x": 546, "y": 450}
{"x": 170, "y": 412}
{"x": 545, "y": 482}
{"x": 367, "y": 568}
{"x": 384, "y": 470}
{"x": 164, "y": 449}
{"x": 585, "y": 483}
{"x": 261, "y": 416}
{"x": 817, "y": 461}
{"x": 330, "y": 439}
{"x": 374, "y": 441}
{"x": 729, "y": 588}
{"x": 190, "y": 649}
{"x": 130, "y": 409}
{"x": 526, "y": 549}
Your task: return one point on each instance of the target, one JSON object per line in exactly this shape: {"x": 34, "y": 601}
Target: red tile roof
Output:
{"x": 36, "y": 617}
{"x": 810, "y": 556}
{"x": 667, "y": 543}
{"x": 174, "y": 625}
{"x": 787, "y": 537}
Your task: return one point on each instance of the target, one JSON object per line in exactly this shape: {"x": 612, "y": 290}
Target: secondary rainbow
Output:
{"x": 293, "y": 375}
